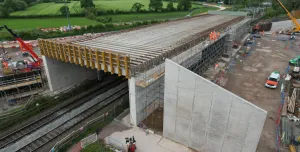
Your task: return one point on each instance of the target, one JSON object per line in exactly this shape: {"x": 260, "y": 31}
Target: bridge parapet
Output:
{"x": 106, "y": 60}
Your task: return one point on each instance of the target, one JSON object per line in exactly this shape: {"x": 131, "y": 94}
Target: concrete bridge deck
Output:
{"x": 122, "y": 52}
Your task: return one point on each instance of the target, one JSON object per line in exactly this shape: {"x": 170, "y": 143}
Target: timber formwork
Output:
{"x": 108, "y": 61}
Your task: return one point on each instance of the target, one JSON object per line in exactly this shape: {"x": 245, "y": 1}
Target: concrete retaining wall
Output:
{"x": 62, "y": 76}
{"x": 206, "y": 117}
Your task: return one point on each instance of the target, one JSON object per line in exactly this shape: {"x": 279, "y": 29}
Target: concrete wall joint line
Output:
{"x": 192, "y": 116}
{"x": 252, "y": 111}
{"x": 227, "y": 124}
{"x": 177, "y": 99}
{"x": 207, "y": 124}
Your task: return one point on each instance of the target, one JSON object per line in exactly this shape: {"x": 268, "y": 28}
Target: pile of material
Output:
{"x": 265, "y": 26}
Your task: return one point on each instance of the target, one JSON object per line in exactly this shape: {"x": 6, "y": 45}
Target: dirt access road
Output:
{"x": 247, "y": 79}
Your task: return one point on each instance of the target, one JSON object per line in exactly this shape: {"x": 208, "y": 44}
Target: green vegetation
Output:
{"x": 53, "y": 8}
{"x": 48, "y": 8}
{"x": 144, "y": 17}
{"x": 97, "y": 146}
{"x": 23, "y": 24}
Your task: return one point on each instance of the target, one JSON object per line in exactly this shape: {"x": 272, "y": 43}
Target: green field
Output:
{"x": 22, "y": 24}
{"x": 48, "y": 8}
{"x": 154, "y": 16}
{"x": 53, "y": 8}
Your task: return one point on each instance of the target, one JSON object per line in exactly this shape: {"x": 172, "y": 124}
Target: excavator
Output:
{"x": 36, "y": 60}
{"x": 296, "y": 29}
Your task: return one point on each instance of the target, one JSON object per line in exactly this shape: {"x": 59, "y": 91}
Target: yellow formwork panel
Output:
{"x": 118, "y": 65}
{"x": 51, "y": 50}
{"x": 42, "y": 47}
{"x": 104, "y": 61}
{"x": 112, "y": 70}
{"x": 65, "y": 53}
{"x": 98, "y": 61}
{"x": 75, "y": 54}
{"x": 90, "y": 57}
{"x": 56, "y": 50}
{"x": 87, "y": 58}
{"x": 80, "y": 57}
{"x": 61, "y": 52}
{"x": 48, "y": 49}
{"x": 70, "y": 55}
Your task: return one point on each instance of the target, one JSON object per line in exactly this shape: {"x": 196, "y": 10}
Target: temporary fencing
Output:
{"x": 278, "y": 119}
{"x": 115, "y": 143}
{"x": 89, "y": 140}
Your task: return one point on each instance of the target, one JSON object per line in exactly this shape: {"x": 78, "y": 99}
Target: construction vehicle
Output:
{"x": 294, "y": 20}
{"x": 36, "y": 60}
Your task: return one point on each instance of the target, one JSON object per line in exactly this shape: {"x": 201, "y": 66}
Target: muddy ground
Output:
{"x": 247, "y": 79}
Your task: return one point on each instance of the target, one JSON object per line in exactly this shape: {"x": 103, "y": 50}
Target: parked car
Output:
{"x": 273, "y": 80}
{"x": 294, "y": 61}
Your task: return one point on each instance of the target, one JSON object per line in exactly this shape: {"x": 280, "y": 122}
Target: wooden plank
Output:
{"x": 91, "y": 59}
{"x": 112, "y": 70}
{"x": 65, "y": 53}
{"x": 118, "y": 65}
{"x": 80, "y": 57}
{"x": 97, "y": 61}
{"x": 104, "y": 61}
{"x": 85, "y": 57}
{"x": 75, "y": 49}
{"x": 126, "y": 67}
{"x": 69, "y": 54}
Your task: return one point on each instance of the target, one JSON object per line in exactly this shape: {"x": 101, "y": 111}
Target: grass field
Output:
{"x": 22, "y": 24}
{"x": 53, "y": 8}
{"x": 48, "y": 8}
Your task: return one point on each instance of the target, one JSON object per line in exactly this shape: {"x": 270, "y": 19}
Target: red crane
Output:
{"x": 37, "y": 61}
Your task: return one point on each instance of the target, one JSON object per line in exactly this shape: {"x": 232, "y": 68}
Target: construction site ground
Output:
{"x": 248, "y": 75}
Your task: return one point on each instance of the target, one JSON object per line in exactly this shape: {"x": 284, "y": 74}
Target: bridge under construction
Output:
{"x": 139, "y": 55}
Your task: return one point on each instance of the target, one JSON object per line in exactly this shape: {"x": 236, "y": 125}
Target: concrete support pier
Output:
{"x": 62, "y": 76}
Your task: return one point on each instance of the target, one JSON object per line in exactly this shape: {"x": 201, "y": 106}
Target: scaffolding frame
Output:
{"x": 13, "y": 86}
{"x": 197, "y": 55}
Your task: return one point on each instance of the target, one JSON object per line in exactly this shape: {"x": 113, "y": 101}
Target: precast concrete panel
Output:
{"x": 201, "y": 115}
{"x": 63, "y": 75}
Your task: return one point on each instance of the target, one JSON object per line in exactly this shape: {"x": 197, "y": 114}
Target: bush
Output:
{"x": 62, "y": 1}
{"x": 145, "y": 23}
{"x": 106, "y": 19}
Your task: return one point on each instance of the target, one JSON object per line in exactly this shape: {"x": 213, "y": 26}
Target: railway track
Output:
{"x": 29, "y": 128}
{"x": 38, "y": 143}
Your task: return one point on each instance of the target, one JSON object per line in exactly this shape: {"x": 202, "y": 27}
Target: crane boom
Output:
{"x": 297, "y": 28}
{"x": 35, "y": 57}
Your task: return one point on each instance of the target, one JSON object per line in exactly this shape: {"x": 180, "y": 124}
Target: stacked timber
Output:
{"x": 292, "y": 101}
